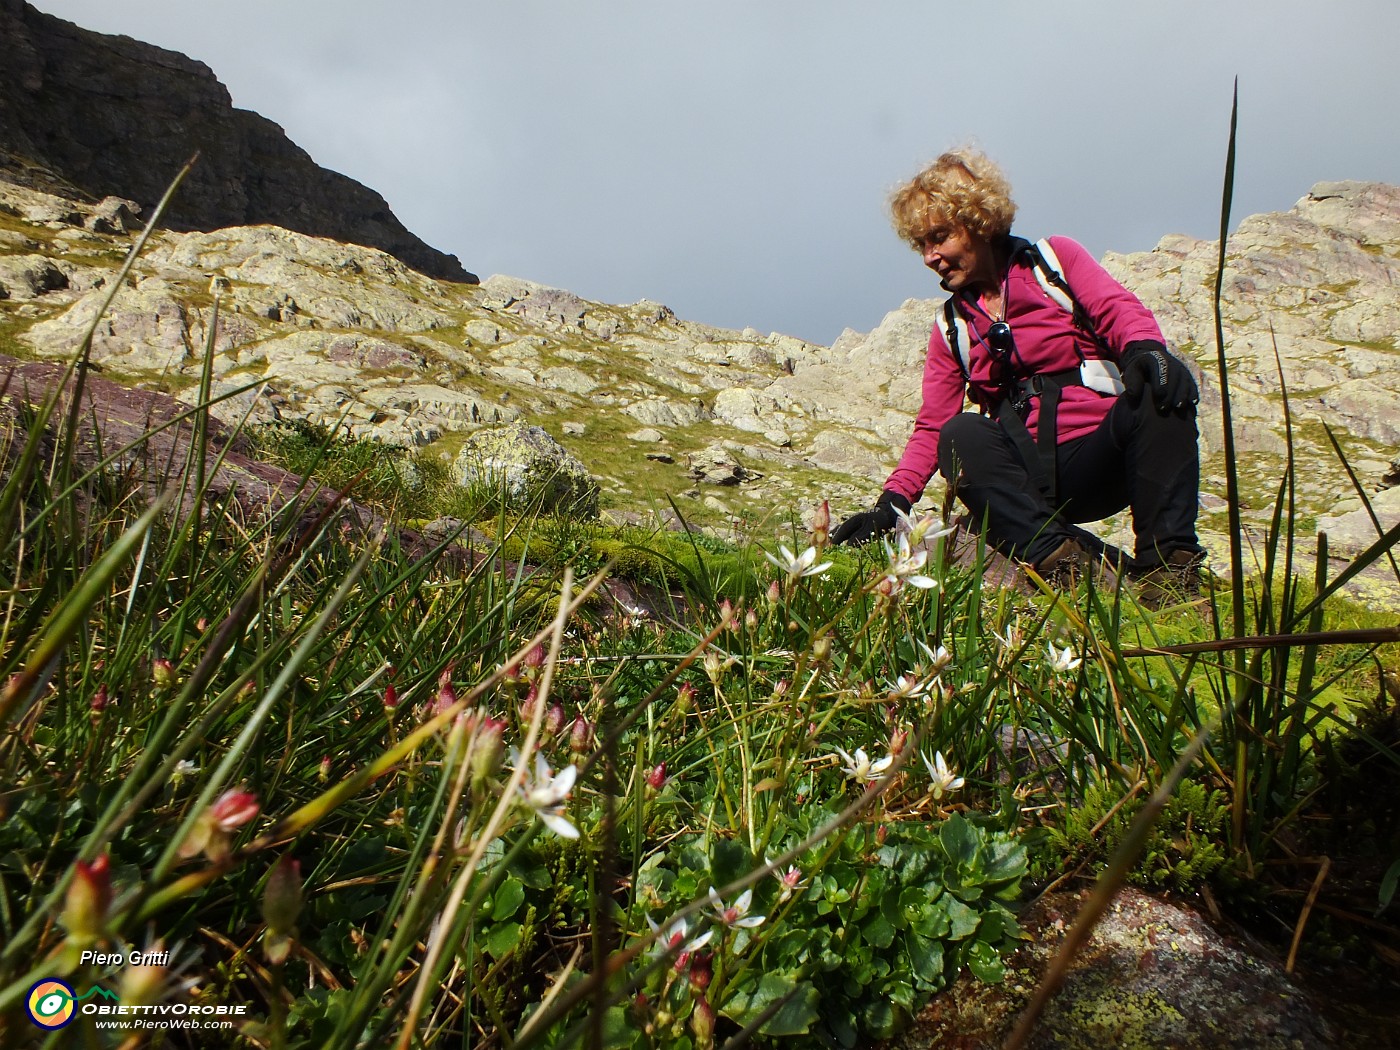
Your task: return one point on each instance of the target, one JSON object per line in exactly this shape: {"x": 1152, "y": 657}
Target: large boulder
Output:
{"x": 529, "y": 466}
{"x": 1153, "y": 974}
{"x": 29, "y": 276}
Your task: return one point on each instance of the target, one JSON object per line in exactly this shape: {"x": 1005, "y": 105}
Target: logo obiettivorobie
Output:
{"x": 52, "y": 1003}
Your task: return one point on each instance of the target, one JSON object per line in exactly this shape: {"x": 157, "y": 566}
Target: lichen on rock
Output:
{"x": 529, "y": 467}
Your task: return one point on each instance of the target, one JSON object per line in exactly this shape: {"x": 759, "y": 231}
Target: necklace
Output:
{"x": 993, "y": 301}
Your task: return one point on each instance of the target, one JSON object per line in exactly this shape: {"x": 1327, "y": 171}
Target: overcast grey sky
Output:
{"x": 732, "y": 158}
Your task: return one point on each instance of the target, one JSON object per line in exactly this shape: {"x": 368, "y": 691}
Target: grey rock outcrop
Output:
{"x": 97, "y": 116}
{"x": 529, "y": 467}
{"x": 1320, "y": 286}
{"x": 733, "y": 425}
{"x": 1152, "y": 974}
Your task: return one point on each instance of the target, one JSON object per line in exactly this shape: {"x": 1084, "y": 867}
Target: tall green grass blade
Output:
{"x": 71, "y": 614}
{"x": 1232, "y": 479}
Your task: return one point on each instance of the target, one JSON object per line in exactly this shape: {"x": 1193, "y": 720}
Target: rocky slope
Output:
{"x": 734, "y": 426}
{"x": 1311, "y": 305}
{"x": 97, "y": 116}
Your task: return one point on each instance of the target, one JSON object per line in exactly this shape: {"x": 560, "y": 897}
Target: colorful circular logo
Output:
{"x": 50, "y": 1003}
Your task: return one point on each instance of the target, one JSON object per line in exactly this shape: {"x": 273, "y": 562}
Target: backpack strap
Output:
{"x": 1047, "y": 271}
{"x": 1046, "y": 265}
{"x": 959, "y": 339}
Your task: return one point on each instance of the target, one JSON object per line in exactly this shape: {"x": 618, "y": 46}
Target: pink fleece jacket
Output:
{"x": 1046, "y": 338}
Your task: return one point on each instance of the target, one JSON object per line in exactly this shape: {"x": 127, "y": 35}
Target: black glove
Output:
{"x": 1146, "y": 365}
{"x": 865, "y": 526}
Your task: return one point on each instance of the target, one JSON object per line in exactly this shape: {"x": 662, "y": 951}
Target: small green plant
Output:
{"x": 1187, "y": 847}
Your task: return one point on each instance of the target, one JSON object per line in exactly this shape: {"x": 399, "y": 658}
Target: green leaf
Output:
{"x": 878, "y": 931}
{"x": 794, "y": 1017}
{"x": 926, "y": 957}
{"x": 507, "y": 899}
{"x": 532, "y": 872}
{"x": 985, "y": 963}
{"x": 959, "y": 840}
{"x": 729, "y": 862}
{"x": 619, "y": 1033}
{"x": 501, "y": 940}
{"x": 1005, "y": 860}
{"x": 880, "y": 1019}
{"x": 962, "y": 919}
{"x": 990, "y": 929}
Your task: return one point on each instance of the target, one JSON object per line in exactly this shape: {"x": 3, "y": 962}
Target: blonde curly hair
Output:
{"x": 963, "y": 187}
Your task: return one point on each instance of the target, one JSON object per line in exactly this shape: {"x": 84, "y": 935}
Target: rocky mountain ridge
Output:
{"x": 89, "y": 116}
{"x": 736, "y": 427}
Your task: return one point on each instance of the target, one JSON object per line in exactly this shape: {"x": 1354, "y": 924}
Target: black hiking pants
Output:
{"x": 1137, "y": 458}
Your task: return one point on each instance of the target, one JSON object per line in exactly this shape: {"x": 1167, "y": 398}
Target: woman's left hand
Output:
{"x": 1147, "y": 365}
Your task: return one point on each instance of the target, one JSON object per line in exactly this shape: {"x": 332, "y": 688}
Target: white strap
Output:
{"x": 1053, "y": 262}
{"x": 962, "y": 348}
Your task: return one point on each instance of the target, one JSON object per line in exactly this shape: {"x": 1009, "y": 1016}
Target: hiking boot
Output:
{"x": 1064, "y": 566}
{"x": 1175, "y": 580}
{"x": 1070, "y": 562}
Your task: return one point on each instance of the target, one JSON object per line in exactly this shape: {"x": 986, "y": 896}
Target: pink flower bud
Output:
{"x": 391, "y": 698}
{"x": 656, "y": 779}
{"x": 324, "y": 773}
{"x": 702, "y": 970}
{"x": 775, "y": 592}
{"x": 163, "y": 674}
{"x": 282, "y": 899}
{"x": 233, "y": 809}
{"x": 581, "y": 736}
{"x": 751, "y": 620}
{"x": 726, "y": 612}
{"x": 685, "y": 697}
{"x": 446, "y": 694}
{"x": 142, "y": 984}
{"x": 821, "y": 524}
{"x": 534, "y": 659}
{"x": 281, "y": 905}
{"x": 487, "y": 749}
{"x": 702, "y": 1024}
{"x": 780, "y": 690}
{"x": 98, "y": 703}
{"x": 88, "y": 899}
{"x": 880, "y": 833}
{"x": 527, "y": 706}
{"x": 554, "y": 720}
{"x": 201, "y": 625}
{"x": 899, "y": 740}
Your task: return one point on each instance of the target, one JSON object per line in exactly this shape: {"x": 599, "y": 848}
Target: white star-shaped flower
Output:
{"x": 921, "y": 529}
{"x": 909, "y": 687}
{"x": 1062, "y": 661}
{"x": 904, "y": 567}
{"x": 1011, "y": 640}
{"x": 674, "y": 939}
{"x": 941, "y": 779}
{"x": 860, "y": 768}
{"x": 736, "y": 915}
{"x": 798, "y": 565}
{"x": 546, "y": 793}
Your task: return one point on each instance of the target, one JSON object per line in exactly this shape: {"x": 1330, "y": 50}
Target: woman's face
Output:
{"x": 963, "y": 260}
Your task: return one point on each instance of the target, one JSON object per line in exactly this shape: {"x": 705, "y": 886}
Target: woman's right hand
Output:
{"x": 870, "y": 524}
